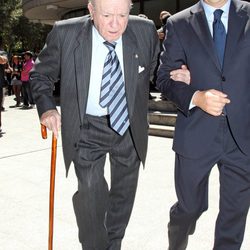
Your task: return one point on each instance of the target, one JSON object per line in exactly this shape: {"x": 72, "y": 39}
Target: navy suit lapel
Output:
{"x": 199, "y": 23}
{"x": 236, "y": 24}
{"x": 131, "y": 65}
{"x": 82, "y": 55}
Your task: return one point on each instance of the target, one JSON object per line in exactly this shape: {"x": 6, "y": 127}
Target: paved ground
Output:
{"x": 24, "y": 188}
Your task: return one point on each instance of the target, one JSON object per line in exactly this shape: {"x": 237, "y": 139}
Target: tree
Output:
{"x": 18, "y": 33}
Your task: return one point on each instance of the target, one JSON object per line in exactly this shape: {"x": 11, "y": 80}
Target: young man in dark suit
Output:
{"x": 210, "y": 41}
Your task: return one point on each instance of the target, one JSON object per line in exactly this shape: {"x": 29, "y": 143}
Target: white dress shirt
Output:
{"x": 99, "y": 53}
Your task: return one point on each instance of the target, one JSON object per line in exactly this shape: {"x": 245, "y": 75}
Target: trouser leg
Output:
{"x": 29, "y": 94}
{"x": 16, "y": 90}
{"x": 18, "y": 95}
{"x": 234, "y": 169}
{"x": 191, "y": 183}
{"x": 90, "y": 205}
{"x": 124, "y": 177}
{"x": 191, "y": 178}
{"x": 234, "y": 206}
{"x": 25, "y": 93}
{"x": 103, "y": 215}
{"x": 91, "y": 200}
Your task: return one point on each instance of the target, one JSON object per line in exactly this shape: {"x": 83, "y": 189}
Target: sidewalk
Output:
{"x": 24, "y": 193}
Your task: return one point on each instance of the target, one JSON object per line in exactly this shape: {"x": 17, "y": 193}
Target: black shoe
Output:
{"x": 25, "y": 107}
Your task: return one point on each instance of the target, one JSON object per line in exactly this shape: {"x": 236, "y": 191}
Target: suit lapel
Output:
{"x": 199, "y": 23}
{"x": 131, "y": 64}
{"x": 82, "y": 56}
{"x": 236, "y": 24}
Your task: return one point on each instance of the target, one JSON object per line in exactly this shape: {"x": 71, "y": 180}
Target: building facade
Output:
{"x": 49, "y": 11}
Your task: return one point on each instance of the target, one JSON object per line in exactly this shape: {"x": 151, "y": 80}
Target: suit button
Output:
{"x": 223, "y": 78}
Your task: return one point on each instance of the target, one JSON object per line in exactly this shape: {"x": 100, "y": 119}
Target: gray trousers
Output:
{"x": 102, "y": 214}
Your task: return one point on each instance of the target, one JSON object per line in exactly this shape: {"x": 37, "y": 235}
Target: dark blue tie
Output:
{"x": 113, "y": 94}
{"x": 219, "y": 35}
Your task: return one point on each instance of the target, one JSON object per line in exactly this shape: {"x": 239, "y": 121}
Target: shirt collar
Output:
{"x": 209, "y": 10}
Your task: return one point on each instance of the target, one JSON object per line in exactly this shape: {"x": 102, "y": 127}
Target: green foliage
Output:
{"x": 18, "y": 33}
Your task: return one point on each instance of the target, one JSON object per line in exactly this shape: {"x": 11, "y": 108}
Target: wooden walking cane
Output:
{"x": 52, "y": 183}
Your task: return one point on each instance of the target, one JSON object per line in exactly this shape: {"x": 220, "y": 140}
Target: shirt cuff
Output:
{"x": 191, "y": 105}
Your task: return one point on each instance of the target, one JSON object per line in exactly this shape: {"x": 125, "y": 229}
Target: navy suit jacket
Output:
{"x": 67, "y": 56}
{"x": 189, "y": 41}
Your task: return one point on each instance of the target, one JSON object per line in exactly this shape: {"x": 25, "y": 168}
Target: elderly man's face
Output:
{"x": 110, "y": 17}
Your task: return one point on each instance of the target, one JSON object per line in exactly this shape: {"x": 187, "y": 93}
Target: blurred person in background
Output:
{"x": 16, "y": 83}
{"x": 164, "y": 15}
{"x": 27, "y": 66}
{"x": 8, "y": 79}
{"x": 3, "y": 61}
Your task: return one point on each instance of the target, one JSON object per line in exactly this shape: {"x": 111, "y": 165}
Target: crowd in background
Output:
{"x": 15, "y": 80}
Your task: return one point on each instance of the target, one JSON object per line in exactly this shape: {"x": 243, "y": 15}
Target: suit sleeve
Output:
{"x": 45, "y": 73}
{"x": 172, "y": 57}
{"x": 156, "y": 51}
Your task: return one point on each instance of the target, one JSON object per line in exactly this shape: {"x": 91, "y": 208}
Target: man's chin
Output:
{"x": 112, "y": 38}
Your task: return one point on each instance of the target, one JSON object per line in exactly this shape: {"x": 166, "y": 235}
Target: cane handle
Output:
{"x": 44, "y": 131}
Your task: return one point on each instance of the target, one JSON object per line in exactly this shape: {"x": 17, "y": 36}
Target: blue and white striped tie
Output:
{"x": 113, "y": 94}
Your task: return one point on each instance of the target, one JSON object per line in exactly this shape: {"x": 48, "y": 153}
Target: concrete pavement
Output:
{"x": 24, "y": 193}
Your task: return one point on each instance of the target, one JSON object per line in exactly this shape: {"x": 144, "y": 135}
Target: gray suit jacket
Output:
{"x": 67, "y": 56}
{"x": 189, "y": 42}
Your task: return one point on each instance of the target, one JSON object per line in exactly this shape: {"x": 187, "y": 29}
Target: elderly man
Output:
{"x": 104, "y": 62}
